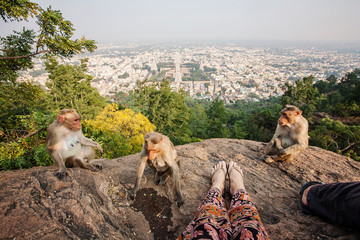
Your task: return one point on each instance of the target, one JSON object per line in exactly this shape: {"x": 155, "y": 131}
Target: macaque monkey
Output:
{"x": 68, "y": 146}
{"x": 160, "y": 154}
{"x": 291, "y": 136}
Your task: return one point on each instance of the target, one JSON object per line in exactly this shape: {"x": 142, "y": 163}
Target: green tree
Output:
{"x": 70, "y": 87}
{"x": 165, "y": 108}
{"x": 26, "y": 148}
{"x": 261, "y": 126}
{"x": 337, "y": 137}
{"x": 217, "y": 120}
{"x": 19, "y": 99}
{"x": 349, "y": 88}
{"x": 343, "y": 98}
{"x": 236, "y": 122}
{"x": 301, "y": 94}
{"x": 254, "y": 120}
{"x": 198, "y": 123}
{"x": 53, "y": 37}
{"x": 326, "y": 86}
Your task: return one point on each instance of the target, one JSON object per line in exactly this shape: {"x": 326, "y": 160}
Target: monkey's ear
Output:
{"x": 61, "y": 118}
{"x": 298, "y": 113}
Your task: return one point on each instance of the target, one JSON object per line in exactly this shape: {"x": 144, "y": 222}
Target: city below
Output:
{"x": 230, "y": 71}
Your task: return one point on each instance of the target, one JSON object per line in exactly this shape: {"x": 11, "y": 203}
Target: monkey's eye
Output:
{"x": 76, "y": 120}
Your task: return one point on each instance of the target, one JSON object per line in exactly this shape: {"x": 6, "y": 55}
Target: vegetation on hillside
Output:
{"x": 26, "y": 109}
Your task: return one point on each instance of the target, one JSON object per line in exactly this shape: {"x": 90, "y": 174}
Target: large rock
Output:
{"x": 34, "y": 204}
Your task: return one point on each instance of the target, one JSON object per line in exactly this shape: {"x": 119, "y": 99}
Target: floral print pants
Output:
{"x": 213, "y": 221}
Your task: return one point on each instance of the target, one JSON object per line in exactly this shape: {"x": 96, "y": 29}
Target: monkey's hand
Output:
{"x": 99, "y": 148}
{"x": 281, "y": 151}
{"x": 61, "y": 174}
{"x": 98, "y": 166}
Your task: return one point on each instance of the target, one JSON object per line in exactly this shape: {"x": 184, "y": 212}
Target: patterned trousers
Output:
{"x": 214, "y": 221}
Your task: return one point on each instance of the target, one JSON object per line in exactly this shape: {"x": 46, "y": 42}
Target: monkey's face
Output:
{"x": 288, "y": 117}
{"x": 152, "y": 153}
{"x": 72, "y": 121}
{"x": 77, "y": 124}
{"x": 153, "y": 146}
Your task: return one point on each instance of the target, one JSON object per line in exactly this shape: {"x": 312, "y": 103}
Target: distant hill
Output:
{"x": 96, "y": 205}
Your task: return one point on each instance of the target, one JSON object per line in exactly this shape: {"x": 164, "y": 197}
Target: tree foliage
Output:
{"x": 217, "y": 120}
{"x": 26, "y": 148}
{"x": 301, "y": 94}
{"x": 121, "y": 132}
{"x": 165, "y": 108}
{"x": 349, "y": 87}
{"x": 340, "y": 98}
{"x": 19, "y": 99}
{"x": 19, "y": 10}
{"x": 53, "y": 37}
{"x": 198, "y": 122}
{"x": 70, "y": 87}
{"x": 337, "y": 137}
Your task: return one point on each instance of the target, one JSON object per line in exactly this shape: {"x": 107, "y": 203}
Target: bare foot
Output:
{"x": 218, "y": 176}
{"x": 236, "y": 177}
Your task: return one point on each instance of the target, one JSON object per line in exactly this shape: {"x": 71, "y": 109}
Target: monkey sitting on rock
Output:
{"x": 160, "y": 154}
{"x": 68, "y": 146}
{"x": 291, "y": 136}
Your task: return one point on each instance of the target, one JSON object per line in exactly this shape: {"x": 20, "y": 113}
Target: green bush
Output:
{"x": 21, "y": 154}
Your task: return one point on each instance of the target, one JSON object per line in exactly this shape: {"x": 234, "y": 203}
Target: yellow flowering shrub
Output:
{"x": 121, "y": 132}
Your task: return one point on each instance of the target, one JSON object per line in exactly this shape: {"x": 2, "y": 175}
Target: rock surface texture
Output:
{"x": 34, "y": 204}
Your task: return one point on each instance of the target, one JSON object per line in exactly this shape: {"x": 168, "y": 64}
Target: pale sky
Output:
{"x": 186, "y": 20}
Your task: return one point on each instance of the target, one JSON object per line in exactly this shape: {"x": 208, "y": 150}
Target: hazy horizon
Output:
{"x": 320, "y": 21}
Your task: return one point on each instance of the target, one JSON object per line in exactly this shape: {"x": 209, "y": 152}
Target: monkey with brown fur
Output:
{"x": 68, "y": 146}
{"x": 291, "y": 136}
{"x": 160, "y": 154}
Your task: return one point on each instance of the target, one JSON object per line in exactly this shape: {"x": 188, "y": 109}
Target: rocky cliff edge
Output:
{"x": 34, "y": 204}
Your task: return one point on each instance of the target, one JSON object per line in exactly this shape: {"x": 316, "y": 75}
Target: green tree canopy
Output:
{"x": 17, "y": 10}
{"x": 326, "y": 86}
{"x": 19, "y": 100}
{"x": 349, "y": 87}
{"x": 53, "y": 37}
{"x": 165, "y": 108}
{"x": 340, "y": 98}
{"x": 337, "y": 137}
{"x": 198, "y": 122}
{"x": 217, "y": 120}
{"x": 70, "y": 87}
{"x": 301, "y": 94}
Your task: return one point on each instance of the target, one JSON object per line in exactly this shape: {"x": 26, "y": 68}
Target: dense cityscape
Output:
{"x": 229, "y": 71}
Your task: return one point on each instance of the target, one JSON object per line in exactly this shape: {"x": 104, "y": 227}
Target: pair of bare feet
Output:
{"x": 219, "y": 172}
